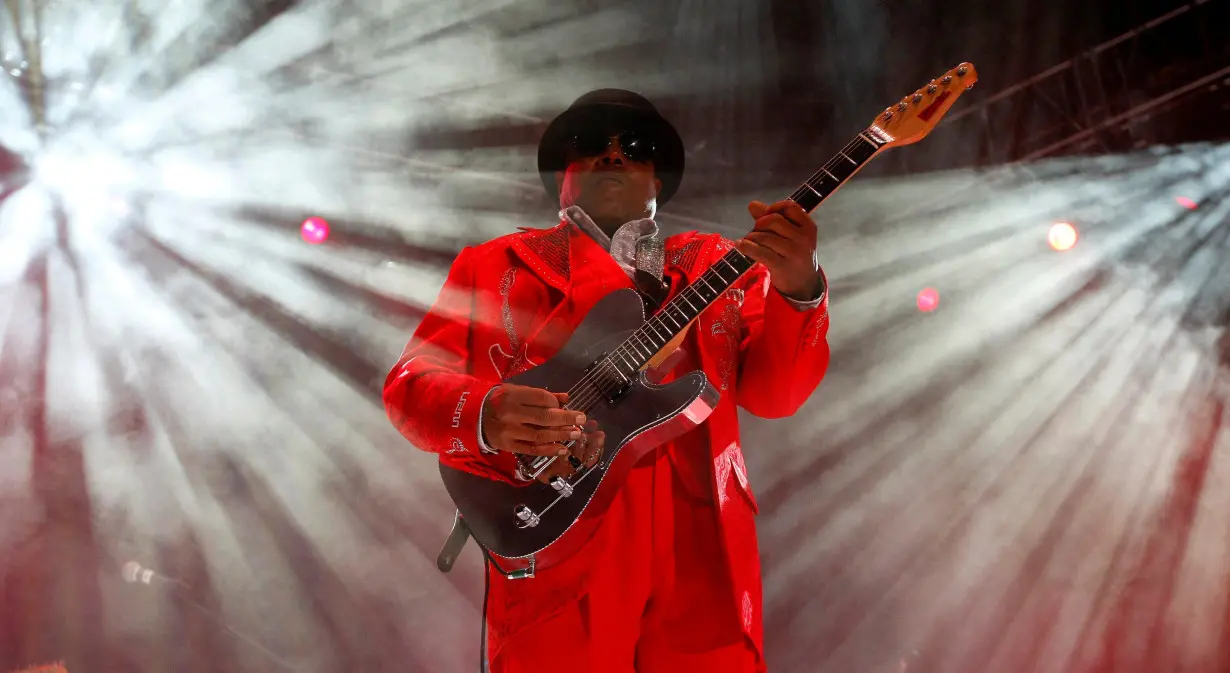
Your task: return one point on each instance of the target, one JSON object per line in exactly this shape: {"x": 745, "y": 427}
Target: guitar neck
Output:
{"x": 673, "y": 318}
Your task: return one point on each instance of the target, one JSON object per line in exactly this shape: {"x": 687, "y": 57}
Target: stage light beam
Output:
{"x": 1062, "y": 236}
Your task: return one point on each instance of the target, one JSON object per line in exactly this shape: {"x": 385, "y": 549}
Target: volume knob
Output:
{"x": 526, "y": 516}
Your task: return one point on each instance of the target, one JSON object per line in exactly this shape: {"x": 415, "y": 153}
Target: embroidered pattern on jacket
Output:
{"x": 506, "y": 314}
{"x": 552, "y": 247}
{"x": 461, "y": 404}
{"x": 685, "y": 257}
{"x": 727, "y": 327}
{"x": 516, "y": 360}
{"x": 819, "y": 329}
{"x": 508, "y": 365}
{"x": 457, "y": 446}
{"x": 721, "y": 473}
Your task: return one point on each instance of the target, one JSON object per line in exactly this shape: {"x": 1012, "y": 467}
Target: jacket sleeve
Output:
{"x": 430, "y": 394}
{"x": 784, "y": 351}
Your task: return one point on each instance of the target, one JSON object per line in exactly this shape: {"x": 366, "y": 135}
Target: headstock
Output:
{"x": 913, "y": 117}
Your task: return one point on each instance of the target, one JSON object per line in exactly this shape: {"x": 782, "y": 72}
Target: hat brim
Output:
{"x": 668, "y": 146}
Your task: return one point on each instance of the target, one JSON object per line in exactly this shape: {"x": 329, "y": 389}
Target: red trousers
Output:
{"x": 657, "y": 596}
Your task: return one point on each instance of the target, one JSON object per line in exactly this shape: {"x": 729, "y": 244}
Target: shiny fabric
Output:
{"x": 764, "y": 354}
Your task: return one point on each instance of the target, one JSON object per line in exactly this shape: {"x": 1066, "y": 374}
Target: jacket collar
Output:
{"x": 549, "y": 252}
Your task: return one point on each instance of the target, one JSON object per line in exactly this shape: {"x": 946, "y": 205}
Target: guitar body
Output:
{"x": 638, "y": 420}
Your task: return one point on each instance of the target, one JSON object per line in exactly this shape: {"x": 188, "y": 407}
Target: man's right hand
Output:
{"x": 533, "y": 422}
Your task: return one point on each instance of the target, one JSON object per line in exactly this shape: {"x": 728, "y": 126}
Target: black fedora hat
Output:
{"x": 621, "y": 109}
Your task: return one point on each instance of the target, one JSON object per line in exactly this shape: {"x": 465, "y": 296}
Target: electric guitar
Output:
{"x": 602, "y": 366}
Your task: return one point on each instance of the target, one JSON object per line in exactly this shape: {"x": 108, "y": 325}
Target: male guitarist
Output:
{"x": 671, "y": 580}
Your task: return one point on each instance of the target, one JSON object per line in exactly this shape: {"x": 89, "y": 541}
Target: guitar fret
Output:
{"x": 863, "y": 135}
{"x": 704, "y": 301}
{"x": 677, "y": 325}
{"x": 840, "y": 172}
{"x": 647, "y": 344}
{"x": 809, "y": 199}
{"x": 860, "y": 150}
{"x": 619, "y": 351}
{"x": 843, "y": 154}
{"x": 634, "y": 350}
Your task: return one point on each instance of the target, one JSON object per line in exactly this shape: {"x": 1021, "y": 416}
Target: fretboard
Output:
{"x": 634, "y": 353}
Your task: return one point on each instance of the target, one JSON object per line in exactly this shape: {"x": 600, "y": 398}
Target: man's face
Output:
{"x": 610, "y": 175}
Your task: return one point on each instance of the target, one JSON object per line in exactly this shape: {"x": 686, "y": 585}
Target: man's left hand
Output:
{"x": 784, "y": 240}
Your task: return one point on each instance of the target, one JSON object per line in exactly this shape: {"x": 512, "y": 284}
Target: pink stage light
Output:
{"x": 928, "y": 300}
{"x": 315, "y": 230}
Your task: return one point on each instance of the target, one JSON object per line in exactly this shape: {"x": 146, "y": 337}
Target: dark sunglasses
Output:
{"x": 635, "y": 146}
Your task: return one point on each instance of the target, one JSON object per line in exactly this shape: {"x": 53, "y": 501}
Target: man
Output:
{"x": 671, "y": 581}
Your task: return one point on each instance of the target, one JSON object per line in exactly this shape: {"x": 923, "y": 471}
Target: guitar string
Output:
{"x": 594, "y": 393}
{"x": 623, "y": 348}
{"x": 631, "y": 354}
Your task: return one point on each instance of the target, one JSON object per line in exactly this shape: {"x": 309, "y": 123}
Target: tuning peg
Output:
{"x": 961, "y": 71}
{"x": 945, "y": 80}
{"x": 917, "y": 98}
{"x": 888, "y": 114}
{"x": 932, "y": 88}
{"x": 901, "y": 106}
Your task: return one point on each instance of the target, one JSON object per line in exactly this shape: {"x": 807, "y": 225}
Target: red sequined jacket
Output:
{"x": 508, "y": 303}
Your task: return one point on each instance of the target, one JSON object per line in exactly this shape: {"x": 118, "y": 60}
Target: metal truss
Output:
{"x": 21, "y": 54}
{"x": 1102, "y": 100}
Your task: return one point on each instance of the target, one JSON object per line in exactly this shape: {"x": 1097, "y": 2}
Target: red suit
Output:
{"x": 679, "y": 542}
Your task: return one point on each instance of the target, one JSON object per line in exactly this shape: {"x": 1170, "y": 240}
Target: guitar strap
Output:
{"x": 453, "y": 545}
{"x": 653, "y": 290}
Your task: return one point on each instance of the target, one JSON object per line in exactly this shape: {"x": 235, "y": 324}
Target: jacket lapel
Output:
{"x": 548, "y": 253}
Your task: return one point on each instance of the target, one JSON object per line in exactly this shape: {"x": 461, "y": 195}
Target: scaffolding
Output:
{"x": 1105, "y": 99}
{"x": 21, "y": 55}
